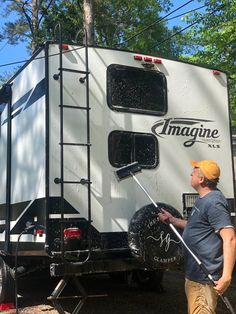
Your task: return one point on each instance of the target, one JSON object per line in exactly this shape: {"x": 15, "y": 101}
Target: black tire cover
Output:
{"x": 151, "y": 241}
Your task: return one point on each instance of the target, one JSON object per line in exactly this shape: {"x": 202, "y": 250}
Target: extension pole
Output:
{"x": 204, "y": 269}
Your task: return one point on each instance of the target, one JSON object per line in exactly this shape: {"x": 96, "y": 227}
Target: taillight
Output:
{"x": 72, "y": 233}
{"x": 39, "y": 232}
{"x": 6, "y": 306}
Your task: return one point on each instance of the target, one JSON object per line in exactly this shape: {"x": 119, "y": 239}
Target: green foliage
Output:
{"x": 69, "y": 14}
{"x": 212, "y": 41}
{"x": 118, "y": 23}
{"x": 3, "y": 79}
{"x": 34, "y": 22}
{"x": 20, "y": 27}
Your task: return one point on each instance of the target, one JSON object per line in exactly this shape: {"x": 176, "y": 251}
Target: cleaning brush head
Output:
{"x": 128, "y": 170}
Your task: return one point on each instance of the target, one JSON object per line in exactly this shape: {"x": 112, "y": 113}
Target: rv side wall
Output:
{"x": 196, "y": 126}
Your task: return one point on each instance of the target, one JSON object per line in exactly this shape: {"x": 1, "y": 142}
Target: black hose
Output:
{"x": 26, "y": 230}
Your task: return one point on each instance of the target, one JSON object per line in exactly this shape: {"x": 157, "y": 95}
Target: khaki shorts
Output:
{"x": 202, "y": 298}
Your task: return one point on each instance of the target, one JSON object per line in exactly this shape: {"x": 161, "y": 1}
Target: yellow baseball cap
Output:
{"x": 209, "y": 168}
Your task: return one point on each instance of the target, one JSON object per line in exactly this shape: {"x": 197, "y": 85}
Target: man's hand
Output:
{"x": 165, "y": 216}
{"x": 222, "y": 285}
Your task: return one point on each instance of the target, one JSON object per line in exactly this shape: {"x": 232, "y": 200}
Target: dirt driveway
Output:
{"x": 108, "y": 297}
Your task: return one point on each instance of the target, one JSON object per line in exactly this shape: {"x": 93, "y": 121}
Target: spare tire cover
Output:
{"x": 151, "y": 241}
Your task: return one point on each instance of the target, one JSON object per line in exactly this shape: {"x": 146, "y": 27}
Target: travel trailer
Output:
{"x": 72, "y": 116}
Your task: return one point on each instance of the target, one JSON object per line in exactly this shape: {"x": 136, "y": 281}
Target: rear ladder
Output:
{"x": 63, "y": 144}
{"x": 55, "y": 295}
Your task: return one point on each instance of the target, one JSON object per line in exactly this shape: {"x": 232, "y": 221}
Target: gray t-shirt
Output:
{"x": 209, "y": 214}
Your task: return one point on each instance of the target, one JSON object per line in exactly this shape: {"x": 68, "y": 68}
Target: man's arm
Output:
{"x": 229, "y": 255}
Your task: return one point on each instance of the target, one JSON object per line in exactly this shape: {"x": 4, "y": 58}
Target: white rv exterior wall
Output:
{"x": 28, "y": 137}
{"x": 193, "y": 93}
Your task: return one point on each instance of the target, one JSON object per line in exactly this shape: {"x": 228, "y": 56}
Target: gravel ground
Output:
{"x": 108, "y": 297}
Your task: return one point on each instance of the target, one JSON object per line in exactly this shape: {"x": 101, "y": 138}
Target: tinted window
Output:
{"x": 136, "y": 90}
{"x": 127, "y": 147}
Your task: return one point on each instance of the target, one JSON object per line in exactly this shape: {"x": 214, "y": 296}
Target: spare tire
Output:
{"x": 151, "y": 241}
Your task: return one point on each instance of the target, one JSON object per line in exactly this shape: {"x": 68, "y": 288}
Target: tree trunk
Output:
{"x": 34, "y": 24}
{"x": 88, "y": 21}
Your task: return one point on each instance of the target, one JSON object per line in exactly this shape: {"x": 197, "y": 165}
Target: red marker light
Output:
{"x": 157, "y": 61}
{"x": 147, "y": 59}
{"x": 139, "y": 58}
{"x": 64, "y": 47}
{"x": 216, "y": 72}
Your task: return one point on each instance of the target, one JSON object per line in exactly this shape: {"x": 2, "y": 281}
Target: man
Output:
{"x": 210, "y": 234}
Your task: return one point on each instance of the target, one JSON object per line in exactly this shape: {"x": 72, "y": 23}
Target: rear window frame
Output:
{"x": 133, "y": 135}
{"x": 131, "y": 109}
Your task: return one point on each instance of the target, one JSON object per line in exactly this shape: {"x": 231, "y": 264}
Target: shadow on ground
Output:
{"x": 107, "y": 296}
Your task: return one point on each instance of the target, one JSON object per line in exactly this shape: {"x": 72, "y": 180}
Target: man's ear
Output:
{"x": 201, "y": 179}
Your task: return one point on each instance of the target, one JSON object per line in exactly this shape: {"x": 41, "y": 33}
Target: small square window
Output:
{"x": 127, "y": 147}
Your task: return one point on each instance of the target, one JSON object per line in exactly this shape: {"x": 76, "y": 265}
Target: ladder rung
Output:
{"x": 82, "y": 181}
{"x": 75, "y": 107}
{"x": 75, "y": 71}
{"x": 75, "y": 144}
